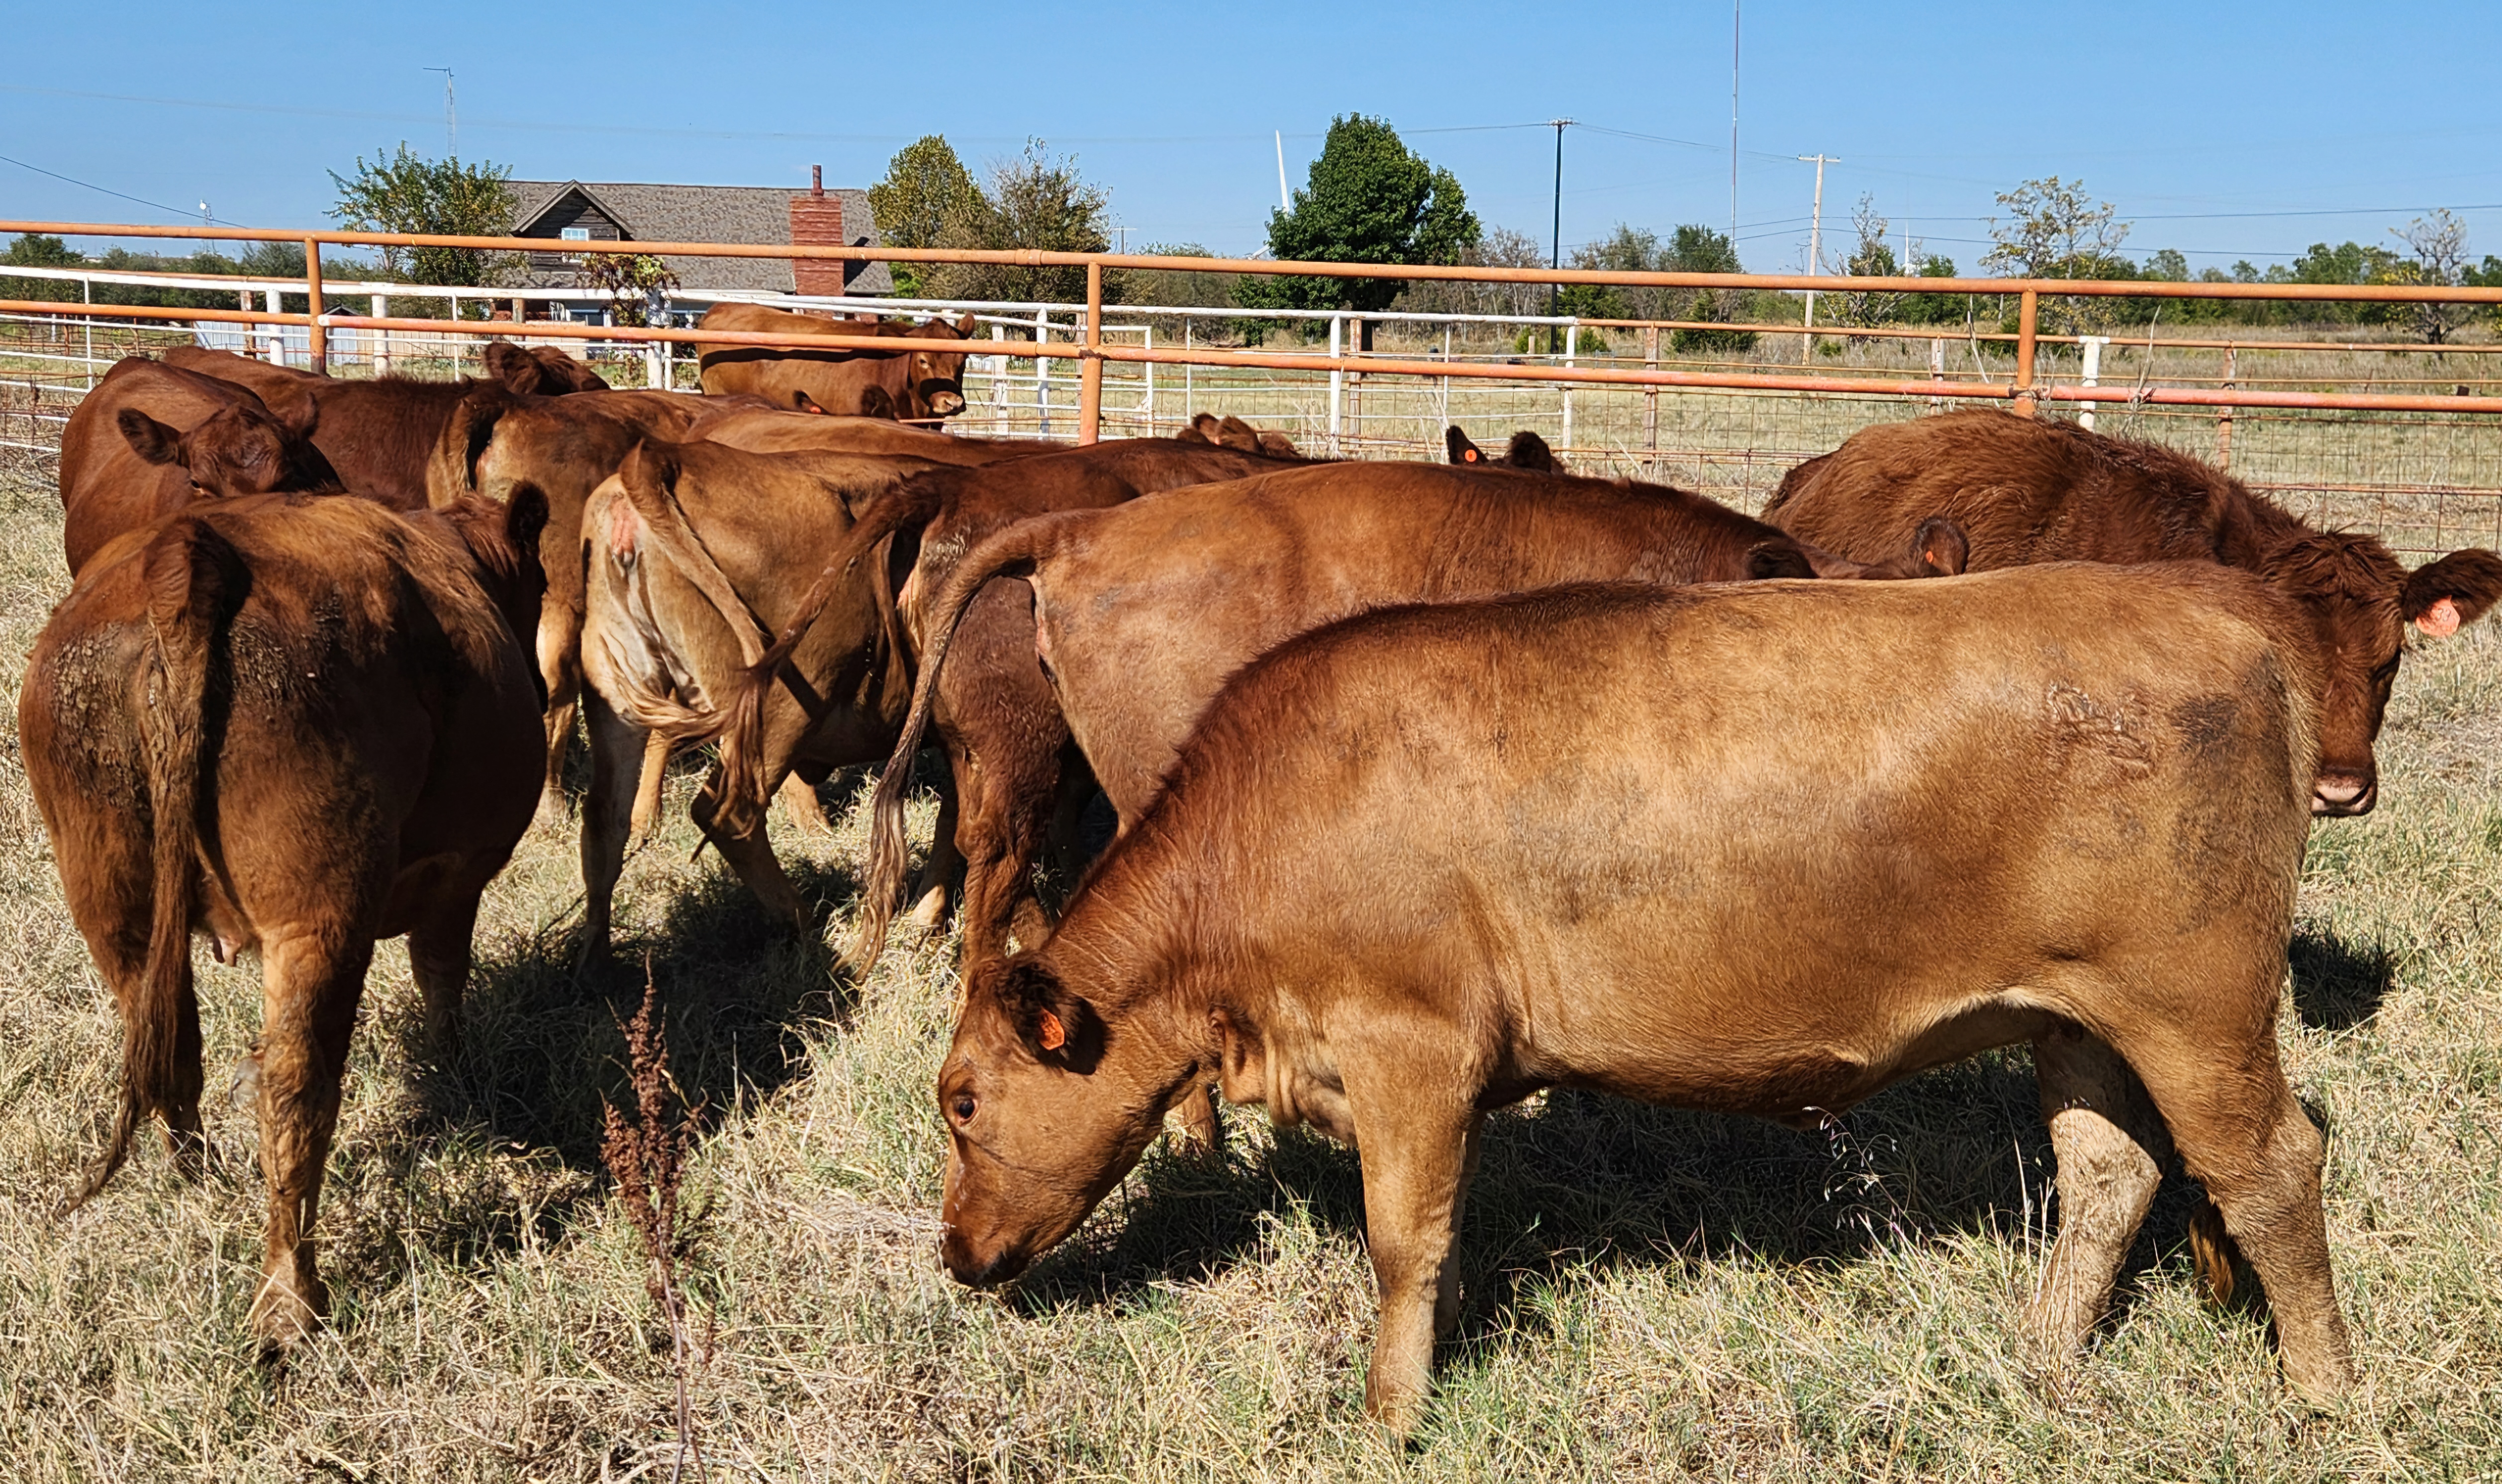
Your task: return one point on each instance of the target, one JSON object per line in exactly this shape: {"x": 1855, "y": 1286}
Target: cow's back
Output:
{"x": 1656, "y": 832}
{"x": 2024, "y": 490}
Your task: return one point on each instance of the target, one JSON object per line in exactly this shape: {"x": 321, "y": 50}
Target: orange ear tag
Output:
{"x": 1052, "y": 1034}
{"x": 1470, "y": 456}
{"x": 2440, "y": 621}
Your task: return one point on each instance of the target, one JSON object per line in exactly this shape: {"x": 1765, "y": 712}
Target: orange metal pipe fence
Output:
{"x": 1092, "y": 350}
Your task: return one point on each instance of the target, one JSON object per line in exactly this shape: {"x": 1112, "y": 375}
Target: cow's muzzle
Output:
{"x": 974, "y": 1269}
{"x": 2344, "y": 795}
{"x": 945, "y": 401}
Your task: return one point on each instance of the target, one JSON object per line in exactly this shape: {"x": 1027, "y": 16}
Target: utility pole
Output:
{"x": 1814, "y": 244}
{"x": 1283, "y": 204}
{"x": 1737, "y": 14}
{"x": 1555, "y": 333}
{"x": 450, "y": 119}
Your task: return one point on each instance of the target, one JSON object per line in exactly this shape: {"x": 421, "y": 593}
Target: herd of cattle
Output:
{"x": 1436, "y": 785}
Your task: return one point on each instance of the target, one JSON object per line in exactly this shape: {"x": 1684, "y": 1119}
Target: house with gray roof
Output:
{"x": 613, "y": 211}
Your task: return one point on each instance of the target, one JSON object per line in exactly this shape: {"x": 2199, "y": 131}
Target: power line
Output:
{"x": 175, "y": 211}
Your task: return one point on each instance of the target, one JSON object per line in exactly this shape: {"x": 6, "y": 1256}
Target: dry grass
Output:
{"x": 1652, "y": 1293}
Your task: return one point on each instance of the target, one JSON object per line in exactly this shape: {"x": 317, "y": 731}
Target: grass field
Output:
{"x": 1652, "y": 1295}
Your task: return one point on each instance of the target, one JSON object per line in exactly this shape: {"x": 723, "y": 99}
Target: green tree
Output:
{"x": 1870, "y": 256}
{"x": 1696, "y": 249}
{"x": 925, "y": 189}
{"x": 1034, "y": 201}
{"x": 1368, "y": 200}
{"x": 2438, "y": 244}
{"x": 30, "y": 250}
{"x": 2056, "y": 230}
{"x": 406, "y": 192}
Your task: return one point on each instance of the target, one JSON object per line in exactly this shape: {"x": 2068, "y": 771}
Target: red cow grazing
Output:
{"x": 916, "y": 381}
{"x": 152, "y": 438}
{"x": 299, "y": 726}
{"x": 1527, "y": 451}
{"x": 380, "y": 433}
{"x": 1141, "y": 610}
{"x": 2040, "y": 490}
{"x": 1694, "y": 847}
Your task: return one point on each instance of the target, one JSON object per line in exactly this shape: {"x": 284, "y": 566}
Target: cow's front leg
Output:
{"x": 1416, "y": 1148}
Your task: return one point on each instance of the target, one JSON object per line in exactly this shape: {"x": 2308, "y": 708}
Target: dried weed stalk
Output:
{"x": 646, "y": 1154}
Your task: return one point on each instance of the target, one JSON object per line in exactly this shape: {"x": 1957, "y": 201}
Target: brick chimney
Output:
{"x": 816, "y": 221}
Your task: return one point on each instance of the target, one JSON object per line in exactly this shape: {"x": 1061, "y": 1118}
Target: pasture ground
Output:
{"x": 1652, "y": 1295}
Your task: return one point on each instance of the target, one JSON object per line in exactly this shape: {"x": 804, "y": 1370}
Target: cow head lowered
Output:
{"x": 934, "y": 383}
{"x": 2359, "y": 601}
{"x": 241, "y": 449}
{"x": 1047, "y": 1106}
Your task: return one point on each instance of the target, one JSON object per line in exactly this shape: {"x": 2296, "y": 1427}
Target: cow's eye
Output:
{"x": 963, "y": 1107}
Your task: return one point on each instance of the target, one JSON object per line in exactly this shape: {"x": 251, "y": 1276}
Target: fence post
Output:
{"x": 1337, "y": 379}
{"x": 1189, "y": 387}
{"x": 1572, "y": 348}
{"x": 1650, "y": 398}
{"x": 998, "y": 384}
{"x": 2090, "y": 373}
{"x": 382, "y": 338}
{"x": 452, "y": 338}
{"x": 273, "y": 305}
{"x": 2224, "y": 416}
{"x": 317, "y": 339}
{"x": 1043, "y": 372}
{"x": 1149, "y": 367}
{"x": 87, "y": 296}
{"x": 1089, "y": 363}
{"x": 2027, "y": 316}
{"x": 1937, "y": 369}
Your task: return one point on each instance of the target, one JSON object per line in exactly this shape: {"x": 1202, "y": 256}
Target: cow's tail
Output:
{"x": 195, "y": 580}
{"x": 1012, "y": 553}
{"x": 649, "y": 477}
{"x": 745, "y": 788}
{"x": 452, "y": 468}
{"x": 2212, "y": 1254}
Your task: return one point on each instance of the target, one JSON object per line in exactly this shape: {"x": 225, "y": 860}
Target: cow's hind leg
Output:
{"x": 617, "y": 750}
{"x": 647, "y": 789}
{"x": 2243, "y": 1133}
{"x": 946, "y": 860}
{"x": 2111, "y": 1147}
{"x": 438, "y": 959}
{"x": 312, "y": 978}
{"x": 751, "y": 856}
{"x": 561, "y": 669}
{"x": 808, "y": 811}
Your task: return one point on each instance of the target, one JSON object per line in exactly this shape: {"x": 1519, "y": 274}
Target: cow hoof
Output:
{"x": 285, "y": 1320}
{"x": 929, "y": 914}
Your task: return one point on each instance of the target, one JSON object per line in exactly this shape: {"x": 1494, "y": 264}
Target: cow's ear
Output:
{"x": 2441, "y": 595}
{"x": 526, "y": 515}
{"x": 509, "y": 364}
{"x": 1939, "y": 548}
{"x": 800, "y": 401}
{"x": 299, "y": 419}
{"x": 1527, "y": 451}
{"x": 148, "y": 438}
{"x": 1778, "y": 558}
{"x": 965, "y": 325}
{"x": 1057, "y": 1026}
{"x": 1239, "y": 436}
{"x": 1461, "y": 450}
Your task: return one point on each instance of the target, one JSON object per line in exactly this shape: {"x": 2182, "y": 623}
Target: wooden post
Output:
{"x": 317, "y": 339}
{"x": 1650, "y": 398}
{"x": 1090, "y": 365}
{"x": 2027, "y": 315}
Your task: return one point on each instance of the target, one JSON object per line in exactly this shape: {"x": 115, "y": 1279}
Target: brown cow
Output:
{"x": 1700, "y": 848}
{"x": 1527, "y": 451}
{"x": 299, "y": 726}
{"x": 380, "y": 433}
{"x": 1142, "y": 609}
{"x": 151, "y": 438}
{"x": 996, "y": 718}
{"x": 1232, "y": 432}
{"x": 495, "y": 443}
{"x": 690, "y": 559}
{"x": 2042, "y": 489}
{"x": 915, "y": 382}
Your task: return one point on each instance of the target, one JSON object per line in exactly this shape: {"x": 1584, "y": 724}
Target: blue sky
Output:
{"x": 2229, "y": 132}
